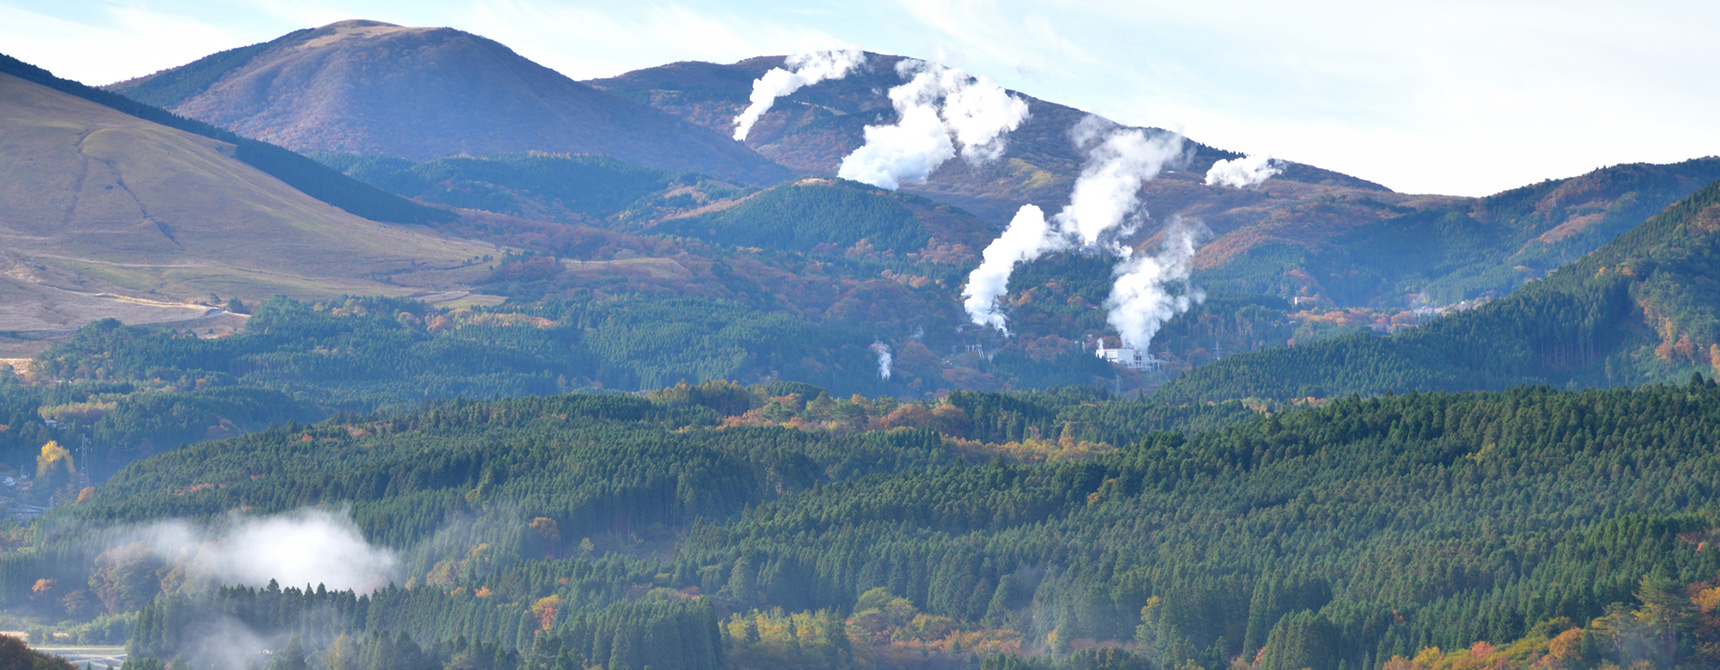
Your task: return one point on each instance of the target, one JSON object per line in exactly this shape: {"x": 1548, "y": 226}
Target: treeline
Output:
{"x": 363, "y": 353}
{"x": 341, "y": 630}
{"x": 299, "y": 172}
{"x": 806, "y": 216}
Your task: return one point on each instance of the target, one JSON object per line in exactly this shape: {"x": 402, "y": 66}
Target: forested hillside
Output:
{"x": 1644, "y": 306}
{"x": 716, "y": 526}
{"x": 824, "y": 216}
{"x": 840, "y": 218}
{"x": 365, "y": 353}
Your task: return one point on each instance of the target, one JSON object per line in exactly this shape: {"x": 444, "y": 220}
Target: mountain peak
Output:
{"x": 355, "y": 25}
{"x": 425, "y": 93}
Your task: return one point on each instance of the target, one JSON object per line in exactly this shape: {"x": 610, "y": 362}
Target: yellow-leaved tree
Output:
{"x": 54, "y": 467}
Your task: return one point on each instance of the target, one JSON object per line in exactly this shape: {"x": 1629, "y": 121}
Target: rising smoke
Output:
{"x": 884, "y": 358}
{"x": 808, "y": 69}
{"x": 1245, "y": 172}
{"x": 940, "y": 111}
{"x": 1149, "y": 290}
{"x": 1103, "y": 207}
{"x": 310, "y": 546}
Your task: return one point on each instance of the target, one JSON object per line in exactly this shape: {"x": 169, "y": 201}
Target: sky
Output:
{"x": 1423, "y": 96}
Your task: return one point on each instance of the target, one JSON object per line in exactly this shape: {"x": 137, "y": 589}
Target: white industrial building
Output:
{"x": 1132, "y": 359}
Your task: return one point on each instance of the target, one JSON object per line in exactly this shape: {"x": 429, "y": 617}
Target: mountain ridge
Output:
{"x": 425, "y": 93}
{"x": 1643, "y": 307}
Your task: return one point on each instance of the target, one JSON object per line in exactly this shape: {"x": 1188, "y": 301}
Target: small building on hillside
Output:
{"x": 1132, "y": 359}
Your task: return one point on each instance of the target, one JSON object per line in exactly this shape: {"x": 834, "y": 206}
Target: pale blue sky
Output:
{"x": 1425, "y": 96}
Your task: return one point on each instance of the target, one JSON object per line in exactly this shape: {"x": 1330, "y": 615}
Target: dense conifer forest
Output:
{"x": 775, "y": 526}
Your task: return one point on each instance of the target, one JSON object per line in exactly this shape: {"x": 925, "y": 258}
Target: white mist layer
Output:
{"x": 1150, "y": 290}
{"x": 940, "y": 111}
{"x": 306, "y": 547}
{"x": 1244, "y": 172}
{"x": 1104, "y": 205}
{"x": 884, "y": 358}
{"x": 809, "y": 69}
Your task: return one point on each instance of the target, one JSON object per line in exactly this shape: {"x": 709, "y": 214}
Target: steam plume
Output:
{"x": 306, "y": 547}
{"x": 1028, "y": 237}
{"x": 1250, "y": 170}
{"x": 940, "y": 111}
{"x": 1107, "y": 193}
{"x": 884, "y": 358}
{"x": 1149, "y": 290}
{"x": 1104, "y": 205}
{"x": 809, "y": 69}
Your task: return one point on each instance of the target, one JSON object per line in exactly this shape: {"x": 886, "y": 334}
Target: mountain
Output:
{"x": 1643, "y": 307}
{"x": 814, "y": 128}
{"x": 1463, "y": 250}
{"x": 105, "y": 213}
{"x": 426, "y": 93}
{"x": 1311, "y": 233}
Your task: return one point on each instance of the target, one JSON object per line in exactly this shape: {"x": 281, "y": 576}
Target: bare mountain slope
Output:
{"x": 425, "y": 93}
{"x": 127, "y": 215}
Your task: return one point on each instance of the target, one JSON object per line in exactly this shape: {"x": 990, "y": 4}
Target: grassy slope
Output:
{"x": 134, "y": 206}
